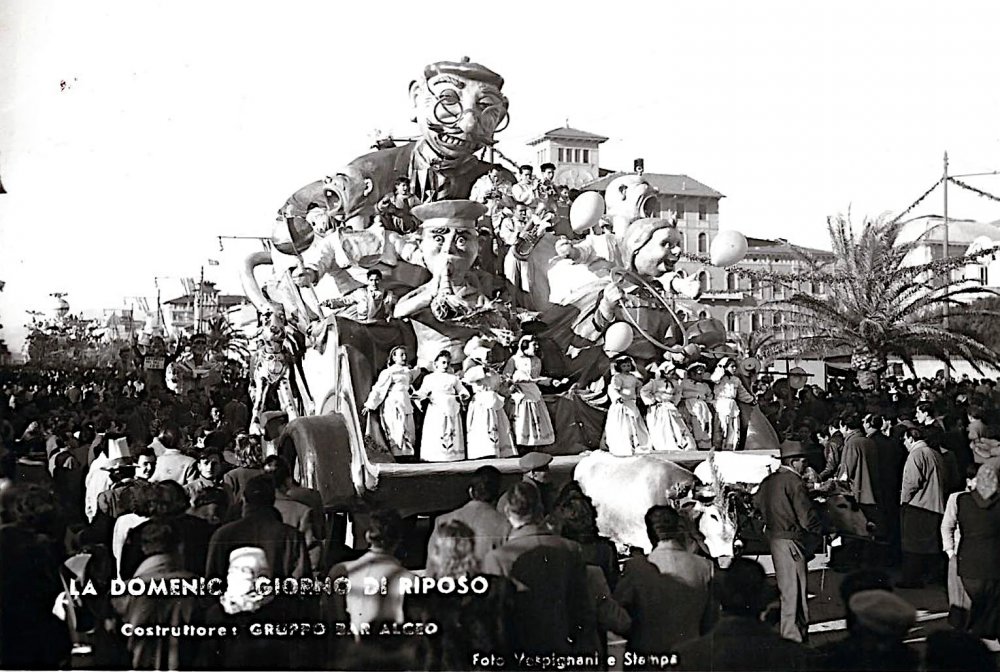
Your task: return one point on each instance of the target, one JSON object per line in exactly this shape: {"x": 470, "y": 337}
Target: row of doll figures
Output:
{"x": 681, "y": 413}
{"x": 487, "y": 430}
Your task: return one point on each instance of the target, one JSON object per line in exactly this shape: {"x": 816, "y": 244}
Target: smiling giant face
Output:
{"x": 458, "y": 107}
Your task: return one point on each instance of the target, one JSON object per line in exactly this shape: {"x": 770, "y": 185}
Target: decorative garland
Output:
{"x": 959, "y": 183}
{"x": 917, "y": 202}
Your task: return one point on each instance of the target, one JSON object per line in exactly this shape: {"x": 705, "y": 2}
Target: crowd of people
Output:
{"x": 136, "y": 486}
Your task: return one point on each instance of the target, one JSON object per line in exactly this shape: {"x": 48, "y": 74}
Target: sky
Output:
{"x": 133, "y": 133}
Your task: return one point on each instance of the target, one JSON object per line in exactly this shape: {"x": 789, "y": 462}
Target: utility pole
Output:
{"x": 945, "y": 253}
{"x": 198, "y": 301}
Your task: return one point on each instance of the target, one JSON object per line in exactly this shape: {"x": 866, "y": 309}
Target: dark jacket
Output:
{"x": 194, "y": 533}
{"x": 261, "y": 528}
{"x": 979, "y": 548}
{"x": 785, "y": 505}
{"x": 668, "y": 597}
{"x": 166, "y": 652}
{"x": 739, "y": 643}
{"x": 554, "y": 609}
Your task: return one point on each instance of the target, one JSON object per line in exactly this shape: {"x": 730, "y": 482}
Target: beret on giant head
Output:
{"x": 464, "y": 68}
{"x": 463, "y": 213}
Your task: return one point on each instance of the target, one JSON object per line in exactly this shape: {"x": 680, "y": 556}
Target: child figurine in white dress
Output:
{"x": 443, "y": 438}
{"x": 695, "y": 398}
{"x": 728, "y": 390}
{"x": 532, "y": 424}
{"x": 487, "y": 427}
{"x": 667, "y": 429}
{"x": 392, "y": 391}
{"x": 624, "y": 429}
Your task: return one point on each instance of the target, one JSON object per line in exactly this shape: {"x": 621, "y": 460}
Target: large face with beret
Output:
{"x": 458, "y": 107}
{"x": 449, "y": 245}
{"x": 660, "y": 253}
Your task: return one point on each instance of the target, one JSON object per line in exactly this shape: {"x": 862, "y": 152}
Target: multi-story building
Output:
{"x": 179, "y": 314}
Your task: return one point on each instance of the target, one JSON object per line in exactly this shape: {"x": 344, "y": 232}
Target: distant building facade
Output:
{"x": 575, "y": 154}
{"x": 180, "y": 314}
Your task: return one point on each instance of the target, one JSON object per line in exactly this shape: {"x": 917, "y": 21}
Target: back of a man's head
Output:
{"x": 485, "y": 485}
{"x": 742, "y": 589}
{"x": 385, "y": 531}
{"x": 524, "y": 504}
{"x": 158, "y": 537}
{"x": 280, "y": 474}
{"x": 663, "y": 523}
{"x": 259, "y": 491}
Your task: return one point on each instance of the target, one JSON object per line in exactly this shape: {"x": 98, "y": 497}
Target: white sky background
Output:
{"x": 185, "y": 120}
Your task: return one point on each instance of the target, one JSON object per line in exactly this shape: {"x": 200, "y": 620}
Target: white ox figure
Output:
{"x": 624, "y": 488}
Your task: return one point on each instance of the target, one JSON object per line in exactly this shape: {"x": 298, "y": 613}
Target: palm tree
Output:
{"x": 228, "y": 341}
{"x": 879, "y": 304}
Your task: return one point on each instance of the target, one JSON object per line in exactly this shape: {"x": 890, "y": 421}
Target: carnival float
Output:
{"x": 420, "y": 317}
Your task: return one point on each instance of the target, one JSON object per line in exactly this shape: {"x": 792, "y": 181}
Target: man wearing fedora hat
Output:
{"x": 789, "y": 516}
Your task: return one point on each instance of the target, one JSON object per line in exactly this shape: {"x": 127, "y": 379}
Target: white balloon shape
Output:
{"x": 728, "y": 248}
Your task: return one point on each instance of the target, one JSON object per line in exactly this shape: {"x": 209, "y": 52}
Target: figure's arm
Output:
{"x": 379, "y": 390}
{"x": 949, "y": 526}
{"x": 805, "y": 511}
{"x": 648, "y": 393}
{"x": 912, "y": 479}
{"x": 615, "y": 388}
{"x": 413, "y": 302}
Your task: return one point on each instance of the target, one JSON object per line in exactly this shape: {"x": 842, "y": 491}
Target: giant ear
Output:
{"x": 415, "y": 88}
{"x": 369, "y": 186}
{"x": 623, "y": 190}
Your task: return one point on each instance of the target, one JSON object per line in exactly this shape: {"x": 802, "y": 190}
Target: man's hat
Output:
{"x": 749, "y": 366}
{"x": 118, "y": 463}
{"x": 882, "y": 612}
{"x": 789, "y": 449}
{"x": 799, "y": 371}
{"x": 459, "y": 210}
{"x": 464, "y": 68}
{"x": 696, "y": 365}
{"x": 534, "y": 461}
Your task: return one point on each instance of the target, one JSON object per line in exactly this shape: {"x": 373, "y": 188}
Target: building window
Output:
{"x": 703, "y": 281}
{"x": 777, "y": 319}
{"x": 754, "y": 322}
{"x": 732, "y": 324}
{"x": 754, "y": 284}
{"x": 702, "y": 243}
{"x": 576, "y": 156}
{"x": 559, "y": 152}
{"x": 732, "y": 283}
{"x": 586, "y": 156}
{"x": 702, "y": 211}
{"x": 680, "y": 209}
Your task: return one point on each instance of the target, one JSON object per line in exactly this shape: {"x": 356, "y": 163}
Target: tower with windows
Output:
{"x": 574, "y": 153}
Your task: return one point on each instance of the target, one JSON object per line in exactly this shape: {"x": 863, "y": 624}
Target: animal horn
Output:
{"x": 720, "y": 497}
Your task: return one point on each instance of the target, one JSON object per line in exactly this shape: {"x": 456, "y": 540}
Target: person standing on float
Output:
{"x": 696, "y": 395}
{"x": 488, "y": 428}
{"x": 532, "y": 424}
{"x": 667, "y": 429}
{"x": 443, "y": 437}
{"x": 624, "y": 429}
{"x": 391, "y": 393}
{"x": 728, "y": 391}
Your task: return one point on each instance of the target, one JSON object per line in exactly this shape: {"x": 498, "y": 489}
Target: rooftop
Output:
{"x": 780, "y": 248}
{"x": 671, "y": 185}
{"x": 224, "y": 300}
{"x": 567, "y": 133}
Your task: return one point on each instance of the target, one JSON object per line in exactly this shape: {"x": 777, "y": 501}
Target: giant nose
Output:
{"x": 469, "y": 122}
